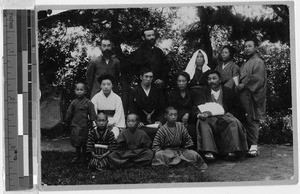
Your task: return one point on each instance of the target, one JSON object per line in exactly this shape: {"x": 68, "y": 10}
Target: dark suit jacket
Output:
{"x": 231, "y": 101}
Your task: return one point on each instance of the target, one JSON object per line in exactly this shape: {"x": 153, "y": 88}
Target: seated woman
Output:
{"x": 110, "y": 103}
{"x": 197, "y": 69}
{"x": 222, "y": 133}
{"x": 228, "y": 69}
{"x": 182, "y": 99}
{"x": 172, "y": 142}
{"x": 133, "y": 146}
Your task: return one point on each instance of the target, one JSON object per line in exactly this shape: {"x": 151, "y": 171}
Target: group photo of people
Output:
{"x": 162, "y": 91}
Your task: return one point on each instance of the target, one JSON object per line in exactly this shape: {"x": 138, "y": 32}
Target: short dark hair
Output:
{"x": 137, "y": 116}
{"x": 214, "y": 72}
{"x": 101, "y": 112}
{"x": 230, "y": 49}
{"x": 145, "y": 70}
{"x": 84, "y": 85}
{"x": 105, "y": 38}
{"x": 106, "y": 76}
{"x": 254, "y": 40}
{"x": 147, "y": 29}
{"x": 167, "y": 110}
{"x": 184, "y": 74}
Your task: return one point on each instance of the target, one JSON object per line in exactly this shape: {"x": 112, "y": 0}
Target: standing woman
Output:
{"x": 182, "y": 100}
{"x": 198, "y": 68}
{"x": 228, "y": 69}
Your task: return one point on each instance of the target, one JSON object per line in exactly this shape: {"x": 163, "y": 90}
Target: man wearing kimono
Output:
{"x": 133, "y": 146}
{"x": 222, "y": 135}
{"x": 104, "y": 64}
{"x": 148, "y": 102}
{"x": 252, "y": 90}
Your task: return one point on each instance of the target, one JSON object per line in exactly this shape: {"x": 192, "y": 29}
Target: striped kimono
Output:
{"x": 99, "y": 158}
{"x": 170, "y": 146}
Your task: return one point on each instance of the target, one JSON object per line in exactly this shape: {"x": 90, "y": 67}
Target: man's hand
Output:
{"x": 159, "y": 123}
{"x": 204, "y": 115}
{"x": 240, "y": 87}
{"x": 159, "y": 82}
{"x": 140, "y": 125}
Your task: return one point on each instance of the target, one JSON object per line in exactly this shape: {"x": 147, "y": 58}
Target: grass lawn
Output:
{"x": 57, "y": 170}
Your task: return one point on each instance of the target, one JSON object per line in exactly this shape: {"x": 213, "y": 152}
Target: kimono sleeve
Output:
{"x": 70, "y": 113}
{"x": 257, "y": 79}
{"x": 186, "y": 138}
{"x": 119, "y": 117}
{"x": 91, "y": 141}
{"x": 92, "y": 112}
{"x": 146, "y": 141}
{"x": 158, "y": 140}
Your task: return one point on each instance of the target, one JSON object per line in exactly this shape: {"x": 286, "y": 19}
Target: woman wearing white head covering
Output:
{"x": 197, "y": 68}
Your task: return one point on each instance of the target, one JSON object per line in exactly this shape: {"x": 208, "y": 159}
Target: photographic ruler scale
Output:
{"x": 19, "y": 99}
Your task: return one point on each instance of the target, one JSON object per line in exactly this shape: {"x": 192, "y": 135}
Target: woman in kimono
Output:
{"x": 182, "y": 99}
{"x": 197, "y": 69}
{"x": 228, "y": 69}
{"x": 110, "y": 103}
{"x": 172, "y": 142}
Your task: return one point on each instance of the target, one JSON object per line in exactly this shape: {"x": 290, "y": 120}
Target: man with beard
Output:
{"x": 253, "y": 89}
{"x": 150, "y": 56}
{"x": 104, "y": 64}
{"x": 219, "y": 133}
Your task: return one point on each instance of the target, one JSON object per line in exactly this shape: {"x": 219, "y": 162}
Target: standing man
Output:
{"x": 104, "y": 64}
{"x": 253, "y": 88}
{"x": 148, "y": 55}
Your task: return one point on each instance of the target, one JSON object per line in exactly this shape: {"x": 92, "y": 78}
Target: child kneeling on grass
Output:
{"x": 133, "y": 146}
{"x": 100, "y": 141}
{"x": 172, "y": 141}
{"x": 80, "y": 116}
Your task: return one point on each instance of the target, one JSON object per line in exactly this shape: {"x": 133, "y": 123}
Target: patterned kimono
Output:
{"x": 227, "y": 73}
{"x": 132, "y": 150}
{"x": 80, "y": 115}
{"x": 171, "y": 146}
{"x": 113, "y": 107}
{"x": 99, "y": 159}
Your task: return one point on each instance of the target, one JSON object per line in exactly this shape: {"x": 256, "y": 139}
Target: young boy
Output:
{"x": 172, "y": 141}
{"x": 100, "y": 141}
{"x": 80, "y": 115}
{"x": 133, "y": 148}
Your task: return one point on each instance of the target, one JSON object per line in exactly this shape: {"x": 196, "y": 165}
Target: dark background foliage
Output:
{"x": 63, "y": 60}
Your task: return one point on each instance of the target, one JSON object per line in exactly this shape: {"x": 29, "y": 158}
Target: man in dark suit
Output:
{"x": 106, "y": 63}
{"x": 219, "y": 133}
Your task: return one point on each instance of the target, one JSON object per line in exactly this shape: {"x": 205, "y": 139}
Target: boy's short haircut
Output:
{"x": 137, "y": 116}
{"x": 84, "y": 85}
{"x": 145, "y": 70}
{"x": 106, "y": 77}
{"x": 101, "y": 112}
{"x": 167, "y": 110}
{"x": 253, "y": 39}
{"x": 214, "y": 72}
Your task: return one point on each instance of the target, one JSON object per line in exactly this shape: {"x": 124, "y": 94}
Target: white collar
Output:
{"x": 216, "y": 94}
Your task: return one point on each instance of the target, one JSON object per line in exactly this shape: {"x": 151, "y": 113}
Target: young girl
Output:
{"x": 80, "y": 115}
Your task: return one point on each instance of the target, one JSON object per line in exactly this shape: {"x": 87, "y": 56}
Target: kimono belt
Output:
{"x": 109, "y": 113}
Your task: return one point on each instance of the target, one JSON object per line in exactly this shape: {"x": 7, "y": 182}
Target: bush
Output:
{"x": 276, "y": 130}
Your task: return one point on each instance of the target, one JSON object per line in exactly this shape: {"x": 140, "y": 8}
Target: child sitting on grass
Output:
{"x": 100, "y": 141}
{"x": 80, "y": 116}
{"x": 133, "y": 148}
{"x": 172, "y": 142}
